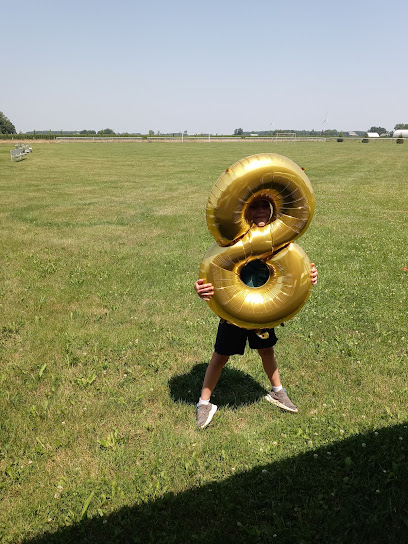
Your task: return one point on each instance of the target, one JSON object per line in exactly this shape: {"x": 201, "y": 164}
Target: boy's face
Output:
{"x": 259, "y": 212}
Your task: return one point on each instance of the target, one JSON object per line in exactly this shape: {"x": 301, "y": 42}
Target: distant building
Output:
{"x": 373, "y": 134}
{"x": 253, "y": 134}
{"x": 352, "y": 133}
{"x": 400, "y": 133}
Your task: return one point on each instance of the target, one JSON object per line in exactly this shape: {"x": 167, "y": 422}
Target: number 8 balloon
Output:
{"x": 285, "y": 185}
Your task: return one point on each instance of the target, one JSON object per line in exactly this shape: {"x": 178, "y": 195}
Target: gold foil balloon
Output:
{"x": 285, "y": 185}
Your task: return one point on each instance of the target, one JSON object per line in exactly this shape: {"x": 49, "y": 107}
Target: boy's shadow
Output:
{"x": 235, "y": 388}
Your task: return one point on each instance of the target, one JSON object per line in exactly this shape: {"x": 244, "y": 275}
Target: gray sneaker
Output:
{"x": 282, "y": 400}
{"x": 204, "y": 414}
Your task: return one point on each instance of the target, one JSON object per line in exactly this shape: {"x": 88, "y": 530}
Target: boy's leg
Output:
{"x": 230, "y": 340}
{"x": 270, "y": 366}
{"x": 206, "y": 410}
{"x": 277, "y": 395}
{"x": 212, "y": 374}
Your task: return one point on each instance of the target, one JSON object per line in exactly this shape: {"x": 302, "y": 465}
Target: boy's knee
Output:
{"x": 219, "y": 360}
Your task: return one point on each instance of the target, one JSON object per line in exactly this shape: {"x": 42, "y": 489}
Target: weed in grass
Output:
{"x": 112, "y": 441}
{"x": 85, "y": 381}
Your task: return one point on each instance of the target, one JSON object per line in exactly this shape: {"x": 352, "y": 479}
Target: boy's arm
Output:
{"x": 204, "y": 290}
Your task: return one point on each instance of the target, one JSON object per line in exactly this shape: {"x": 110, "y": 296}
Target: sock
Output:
{"x": 276, "y": 388}
{"x": 201, "y": 401}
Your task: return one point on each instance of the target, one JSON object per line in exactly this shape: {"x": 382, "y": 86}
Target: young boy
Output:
{"x": 231, "y": 340}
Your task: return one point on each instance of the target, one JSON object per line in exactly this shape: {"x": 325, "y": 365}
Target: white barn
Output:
{"x": 373, "y": 134}
{"x": 401, "y": 133}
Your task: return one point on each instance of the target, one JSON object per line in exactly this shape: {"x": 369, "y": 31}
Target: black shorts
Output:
{"x": 231, "y": 340}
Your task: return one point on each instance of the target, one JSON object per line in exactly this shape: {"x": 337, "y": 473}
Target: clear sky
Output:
{"x": 200, "y": 66}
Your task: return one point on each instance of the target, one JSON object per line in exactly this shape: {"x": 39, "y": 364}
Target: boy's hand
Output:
{"x": 204, "y": 290}
{"x": 313, "y": 274}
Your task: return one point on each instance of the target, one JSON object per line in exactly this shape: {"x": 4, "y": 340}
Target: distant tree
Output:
{"x": 401, "y": 126}
{"x": 330, "y": 132}
{"x": 379, "y": 130}
{"x": 6, "y": 126}
{"x": 238, "y": 132}
{"x": 151, "y": 132}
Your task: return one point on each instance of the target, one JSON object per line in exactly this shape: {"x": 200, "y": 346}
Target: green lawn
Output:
{"x": 104, "y": 345}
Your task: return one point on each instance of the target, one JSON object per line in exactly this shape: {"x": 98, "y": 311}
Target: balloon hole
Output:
{"x": 255, "y": 274}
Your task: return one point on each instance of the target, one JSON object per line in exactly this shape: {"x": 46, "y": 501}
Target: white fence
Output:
{"x": 189, "y": 139}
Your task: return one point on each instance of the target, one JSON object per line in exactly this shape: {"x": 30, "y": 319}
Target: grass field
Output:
{"x": 104, "y": 345}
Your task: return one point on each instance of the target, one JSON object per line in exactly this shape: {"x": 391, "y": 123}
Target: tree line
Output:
{"x": 7, "y": 127}
{"x": 313, "y": 133}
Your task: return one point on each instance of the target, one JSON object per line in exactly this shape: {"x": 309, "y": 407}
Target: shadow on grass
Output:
{"x": 235, "y": 388}
{"x": 353, "y": 491}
